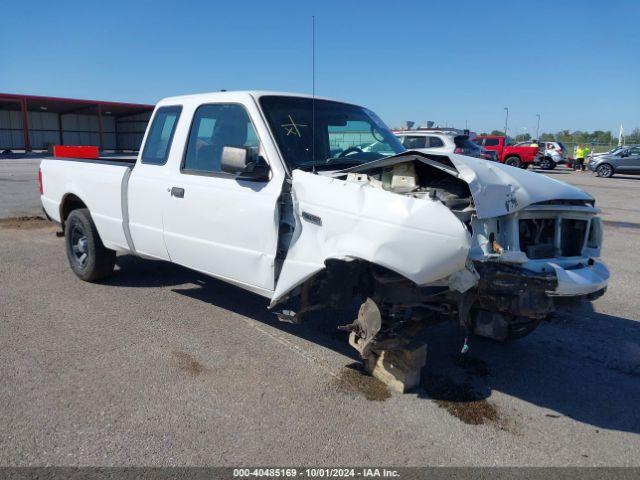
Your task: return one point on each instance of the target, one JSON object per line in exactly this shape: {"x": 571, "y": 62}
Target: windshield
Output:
{"x": 345, "y": 135}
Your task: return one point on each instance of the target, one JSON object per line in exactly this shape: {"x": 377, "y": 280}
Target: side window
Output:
{"x": 491, "y": 142}
{"x": 414, "y": 142}
{"x": 214, "y": 127}
{"x": 156, "y": 148}
{"x": 435, "y": 142}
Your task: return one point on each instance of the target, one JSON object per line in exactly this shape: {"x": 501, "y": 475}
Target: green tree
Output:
{"x": 523, "y": 137}
{"x": 547, "y": 137}
{"x": 497, "y": 132}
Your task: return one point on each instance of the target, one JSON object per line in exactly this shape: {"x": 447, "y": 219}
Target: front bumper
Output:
{"x": 522, "y": 292}
{"x": 575, "y": 282}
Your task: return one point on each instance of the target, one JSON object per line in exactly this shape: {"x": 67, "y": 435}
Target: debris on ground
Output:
{"x": 24, "y": 223}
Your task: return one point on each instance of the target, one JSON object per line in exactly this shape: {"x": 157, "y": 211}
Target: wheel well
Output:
{"x": 69, "y": 203}
{"x": 512, "y": 155}
{"x": 341, "y": 282}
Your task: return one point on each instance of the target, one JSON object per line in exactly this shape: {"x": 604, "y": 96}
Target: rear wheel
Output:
{"x": 513, "y": 162}
{"x": 89, "y": 259}
{"x": 605, "y": 170}
{"x": 547, "y": 164}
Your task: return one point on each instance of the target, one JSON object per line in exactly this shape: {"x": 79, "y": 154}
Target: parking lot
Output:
{"x": 163, "y": 366}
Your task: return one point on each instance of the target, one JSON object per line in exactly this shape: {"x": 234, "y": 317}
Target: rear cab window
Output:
{"x": 158, "y": 143}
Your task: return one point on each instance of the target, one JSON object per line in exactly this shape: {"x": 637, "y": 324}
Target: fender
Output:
{"x": 343, "y": 220}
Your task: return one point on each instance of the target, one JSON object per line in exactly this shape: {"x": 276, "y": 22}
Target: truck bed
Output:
{"x": 99, "y": 183}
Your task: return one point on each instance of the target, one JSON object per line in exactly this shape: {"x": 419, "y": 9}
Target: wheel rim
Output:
{"x": 79, "y": 245}
{"x": 605, "y": 170}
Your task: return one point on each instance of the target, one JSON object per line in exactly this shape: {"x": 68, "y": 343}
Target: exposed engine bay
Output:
{"x": 520, "y": 252}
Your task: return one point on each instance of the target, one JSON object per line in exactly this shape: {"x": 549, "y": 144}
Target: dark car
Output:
{"x": 625, "y": 161}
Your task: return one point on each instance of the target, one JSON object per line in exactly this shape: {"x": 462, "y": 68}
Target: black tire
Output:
{"x": 547, "y": 164}
{"x": 513, "y": 161}
{"x": 89, "y": 259}
{"x": 605, "y": 170}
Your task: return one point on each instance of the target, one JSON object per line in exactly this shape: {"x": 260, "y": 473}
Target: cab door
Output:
{"x": 215, "y": 222}
{"x": 147, "y": 185}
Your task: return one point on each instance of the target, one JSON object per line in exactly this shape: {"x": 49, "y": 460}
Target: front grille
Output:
{"x": 572, "y": 236}
{"x": 538, "y": 237}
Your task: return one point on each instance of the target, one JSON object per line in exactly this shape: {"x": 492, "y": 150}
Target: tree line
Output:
{"x": 597, "y": 137}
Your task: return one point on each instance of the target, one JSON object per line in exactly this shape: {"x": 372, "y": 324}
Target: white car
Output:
{"x": 245, "y": 187}
{"x": 553, "y": 154}
{"x": 442, "y": 142}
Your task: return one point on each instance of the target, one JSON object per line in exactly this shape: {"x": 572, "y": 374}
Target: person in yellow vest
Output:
{"x": 578, "y": 160}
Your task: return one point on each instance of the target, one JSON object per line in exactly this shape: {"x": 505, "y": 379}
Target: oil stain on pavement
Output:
{"x": 353, "y": 379}
{"x": 188, "y": 364}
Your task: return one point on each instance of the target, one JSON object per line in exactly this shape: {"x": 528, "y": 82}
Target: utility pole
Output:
{"x": 506, "y": 121}
{"x": 538, "y": 127}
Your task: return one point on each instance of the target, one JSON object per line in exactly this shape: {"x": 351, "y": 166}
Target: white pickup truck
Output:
{"x": 276, "y": 194}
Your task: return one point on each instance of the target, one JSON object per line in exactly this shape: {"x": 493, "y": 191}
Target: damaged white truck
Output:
{"x": 315, "y": 204}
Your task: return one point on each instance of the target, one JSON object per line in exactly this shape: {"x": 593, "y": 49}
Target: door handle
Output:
{"x": 177, "y": 192}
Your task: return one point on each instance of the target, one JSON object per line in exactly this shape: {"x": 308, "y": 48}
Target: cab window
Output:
{"x": 158, "y": 143}
{"x": 214, "y": 127}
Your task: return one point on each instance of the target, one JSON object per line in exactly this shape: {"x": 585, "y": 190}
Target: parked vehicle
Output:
{"x": 442, "y": 142}
{"x": 613, "y": 151}
{"x": 625, "y": 161}
{"x": 552, "y": 153}
{"x": 509, "y": 154}
{"x": 247, "y": 187}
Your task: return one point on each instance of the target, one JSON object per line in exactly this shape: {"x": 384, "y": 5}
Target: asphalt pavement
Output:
{"x": 163, "y": 366}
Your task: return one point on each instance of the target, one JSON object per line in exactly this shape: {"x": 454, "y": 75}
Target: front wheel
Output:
{"x": 89, "y": 259}
{"x": 605, "y": 170}
{"x": 513, "y": 162}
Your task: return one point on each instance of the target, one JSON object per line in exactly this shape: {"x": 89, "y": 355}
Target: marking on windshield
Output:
{"x": 292, "y": 128}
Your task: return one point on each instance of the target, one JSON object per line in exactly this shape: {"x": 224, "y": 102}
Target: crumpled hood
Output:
{"x": 497, "y": 189}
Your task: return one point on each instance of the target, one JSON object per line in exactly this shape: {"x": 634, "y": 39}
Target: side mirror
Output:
{"x": 245, "y": 163}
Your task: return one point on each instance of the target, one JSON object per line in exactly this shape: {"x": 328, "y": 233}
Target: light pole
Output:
{"x": 538, "y": 127}
{"x": 506, "y": 121}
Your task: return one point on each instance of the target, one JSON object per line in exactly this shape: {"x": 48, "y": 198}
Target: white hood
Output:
{"x": 497, "y": 189}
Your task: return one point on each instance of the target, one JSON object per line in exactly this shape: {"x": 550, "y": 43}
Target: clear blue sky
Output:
{"x": 577, "y": 63}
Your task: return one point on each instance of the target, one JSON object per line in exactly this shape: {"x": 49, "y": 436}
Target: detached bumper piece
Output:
{"x": 515, "y": 290}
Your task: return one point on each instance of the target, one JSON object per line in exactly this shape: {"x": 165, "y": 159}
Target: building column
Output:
{"x": 25, "y": 125}
{"x": 100, "y": 130}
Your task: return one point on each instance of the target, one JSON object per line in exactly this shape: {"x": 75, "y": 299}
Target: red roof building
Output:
{"x": 29, "y": 122}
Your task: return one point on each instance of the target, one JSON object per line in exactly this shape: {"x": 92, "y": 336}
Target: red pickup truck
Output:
{"x": 516, "y": 156}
